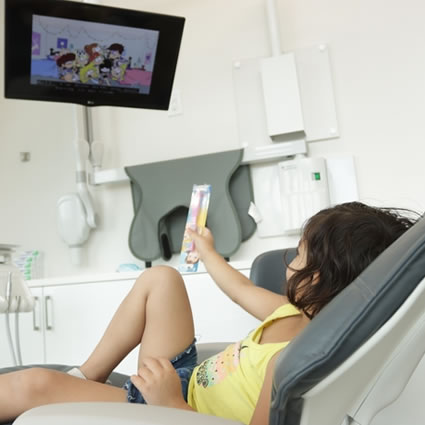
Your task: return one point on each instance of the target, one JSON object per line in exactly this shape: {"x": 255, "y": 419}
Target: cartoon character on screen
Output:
{"x": 114, "y": 52}
{"x": 93, "y": 50}
{"x": 65, "y": 64}
{"x": 118, "y": 72}
{"x": 98, "y": 59}
{"x": 53, "y": 54}
{"x": 81, "y": 60}
{"x": 105, "y": 69}
{"x": 89, "y": 74}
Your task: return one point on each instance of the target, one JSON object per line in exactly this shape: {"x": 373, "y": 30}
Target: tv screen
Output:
{"x": 65, "y": 51}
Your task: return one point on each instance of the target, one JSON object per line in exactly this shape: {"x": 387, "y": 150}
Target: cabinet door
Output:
{"x": 76, "y": 317}
{"x": 216, "y": 317}
{"x": 31, "y": 340}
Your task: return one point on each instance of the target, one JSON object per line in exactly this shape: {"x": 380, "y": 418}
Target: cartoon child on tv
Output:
{"x": 118, "y": 72}
{"x": 114, "y": 52}
{"x": 89, "y": 74}
{"x": 105, "y": 69}
{"x": 66, "y": 65}
{"x": 81, "y": 60}
{"x": 93, "y": 50}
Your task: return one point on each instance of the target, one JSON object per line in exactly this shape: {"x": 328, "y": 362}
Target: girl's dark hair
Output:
{"x": 341, "y": 242}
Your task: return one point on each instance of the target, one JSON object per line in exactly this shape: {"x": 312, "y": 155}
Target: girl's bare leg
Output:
{"x": 25, "y": 389}
{"x": 156, "y": 313}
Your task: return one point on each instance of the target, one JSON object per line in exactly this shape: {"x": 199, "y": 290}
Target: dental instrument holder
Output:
{"x": 75, "y": 211}
{"x": 15, "y": 295}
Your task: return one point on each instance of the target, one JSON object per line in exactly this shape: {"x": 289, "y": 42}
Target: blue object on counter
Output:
{"x": 128, "y": 267}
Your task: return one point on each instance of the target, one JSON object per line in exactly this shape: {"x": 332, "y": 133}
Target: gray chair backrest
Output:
{"x": 269, "y": 269}
{"x": 346, "y": 323}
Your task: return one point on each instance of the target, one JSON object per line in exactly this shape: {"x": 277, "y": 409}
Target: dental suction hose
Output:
{"x": 8, "y": 332}
{"x": 15, "y": 297}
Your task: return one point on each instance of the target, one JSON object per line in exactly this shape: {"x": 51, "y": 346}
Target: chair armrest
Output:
{"x": 208, "y": 349}
{"x": 115, "y": 413}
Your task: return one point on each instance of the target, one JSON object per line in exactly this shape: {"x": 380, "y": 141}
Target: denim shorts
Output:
{"x": 183, "y": 363}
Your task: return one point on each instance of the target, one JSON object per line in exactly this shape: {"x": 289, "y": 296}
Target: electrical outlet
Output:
{"x": 176, "y": 107}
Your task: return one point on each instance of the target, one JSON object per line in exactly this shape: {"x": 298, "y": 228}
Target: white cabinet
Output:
{"x": 76, "y": 317}
{"x": 67, "y": 322}
{"x": 30, "y": 334}
{"x": 70, "y": 319}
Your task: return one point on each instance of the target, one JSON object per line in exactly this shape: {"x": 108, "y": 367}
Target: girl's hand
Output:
{"x": 159, "y": 383}
{"x": 204, "y": 241}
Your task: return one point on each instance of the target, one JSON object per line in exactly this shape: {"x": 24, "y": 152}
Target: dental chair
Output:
{"x": 359, "y": 362}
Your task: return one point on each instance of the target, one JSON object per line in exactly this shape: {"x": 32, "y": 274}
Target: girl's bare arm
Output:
{"x": 257, "y": 301}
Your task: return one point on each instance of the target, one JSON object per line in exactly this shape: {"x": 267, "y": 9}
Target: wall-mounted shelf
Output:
{"x": 113, "y": 175}
{"x": 273, "y": 152}
{"x": 258, "y": 154}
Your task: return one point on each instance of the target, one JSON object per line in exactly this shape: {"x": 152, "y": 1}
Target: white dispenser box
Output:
{"x": 290, "y": 192}
{"x": 303, "y": 191}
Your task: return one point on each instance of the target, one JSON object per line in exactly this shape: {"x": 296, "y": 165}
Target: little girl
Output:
{"x": 337, "y": 244}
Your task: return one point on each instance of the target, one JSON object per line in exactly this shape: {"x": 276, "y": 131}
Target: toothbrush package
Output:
{"x": 196, "y": 220}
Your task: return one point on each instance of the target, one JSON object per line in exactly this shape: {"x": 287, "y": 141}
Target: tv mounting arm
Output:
{"x": 83, "y": 145}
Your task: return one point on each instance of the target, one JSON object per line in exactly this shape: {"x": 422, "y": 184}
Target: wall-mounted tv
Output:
{"x": 66, "y": 51}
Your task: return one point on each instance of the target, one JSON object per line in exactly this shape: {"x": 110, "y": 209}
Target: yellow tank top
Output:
{"x": 229, "y": 384}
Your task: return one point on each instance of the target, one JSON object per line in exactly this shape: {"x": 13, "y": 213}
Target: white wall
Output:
{"x": 378, "y": 65}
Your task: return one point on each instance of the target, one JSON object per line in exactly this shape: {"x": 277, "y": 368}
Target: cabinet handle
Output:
{"x": 48, "y": 302}
{"x": 36, "y": 314}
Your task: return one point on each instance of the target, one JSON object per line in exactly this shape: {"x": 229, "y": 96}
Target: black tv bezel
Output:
{"x": 18, "y": 38}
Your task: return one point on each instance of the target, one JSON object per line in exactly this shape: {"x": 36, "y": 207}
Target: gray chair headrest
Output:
{"x": 340, "y": 328}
